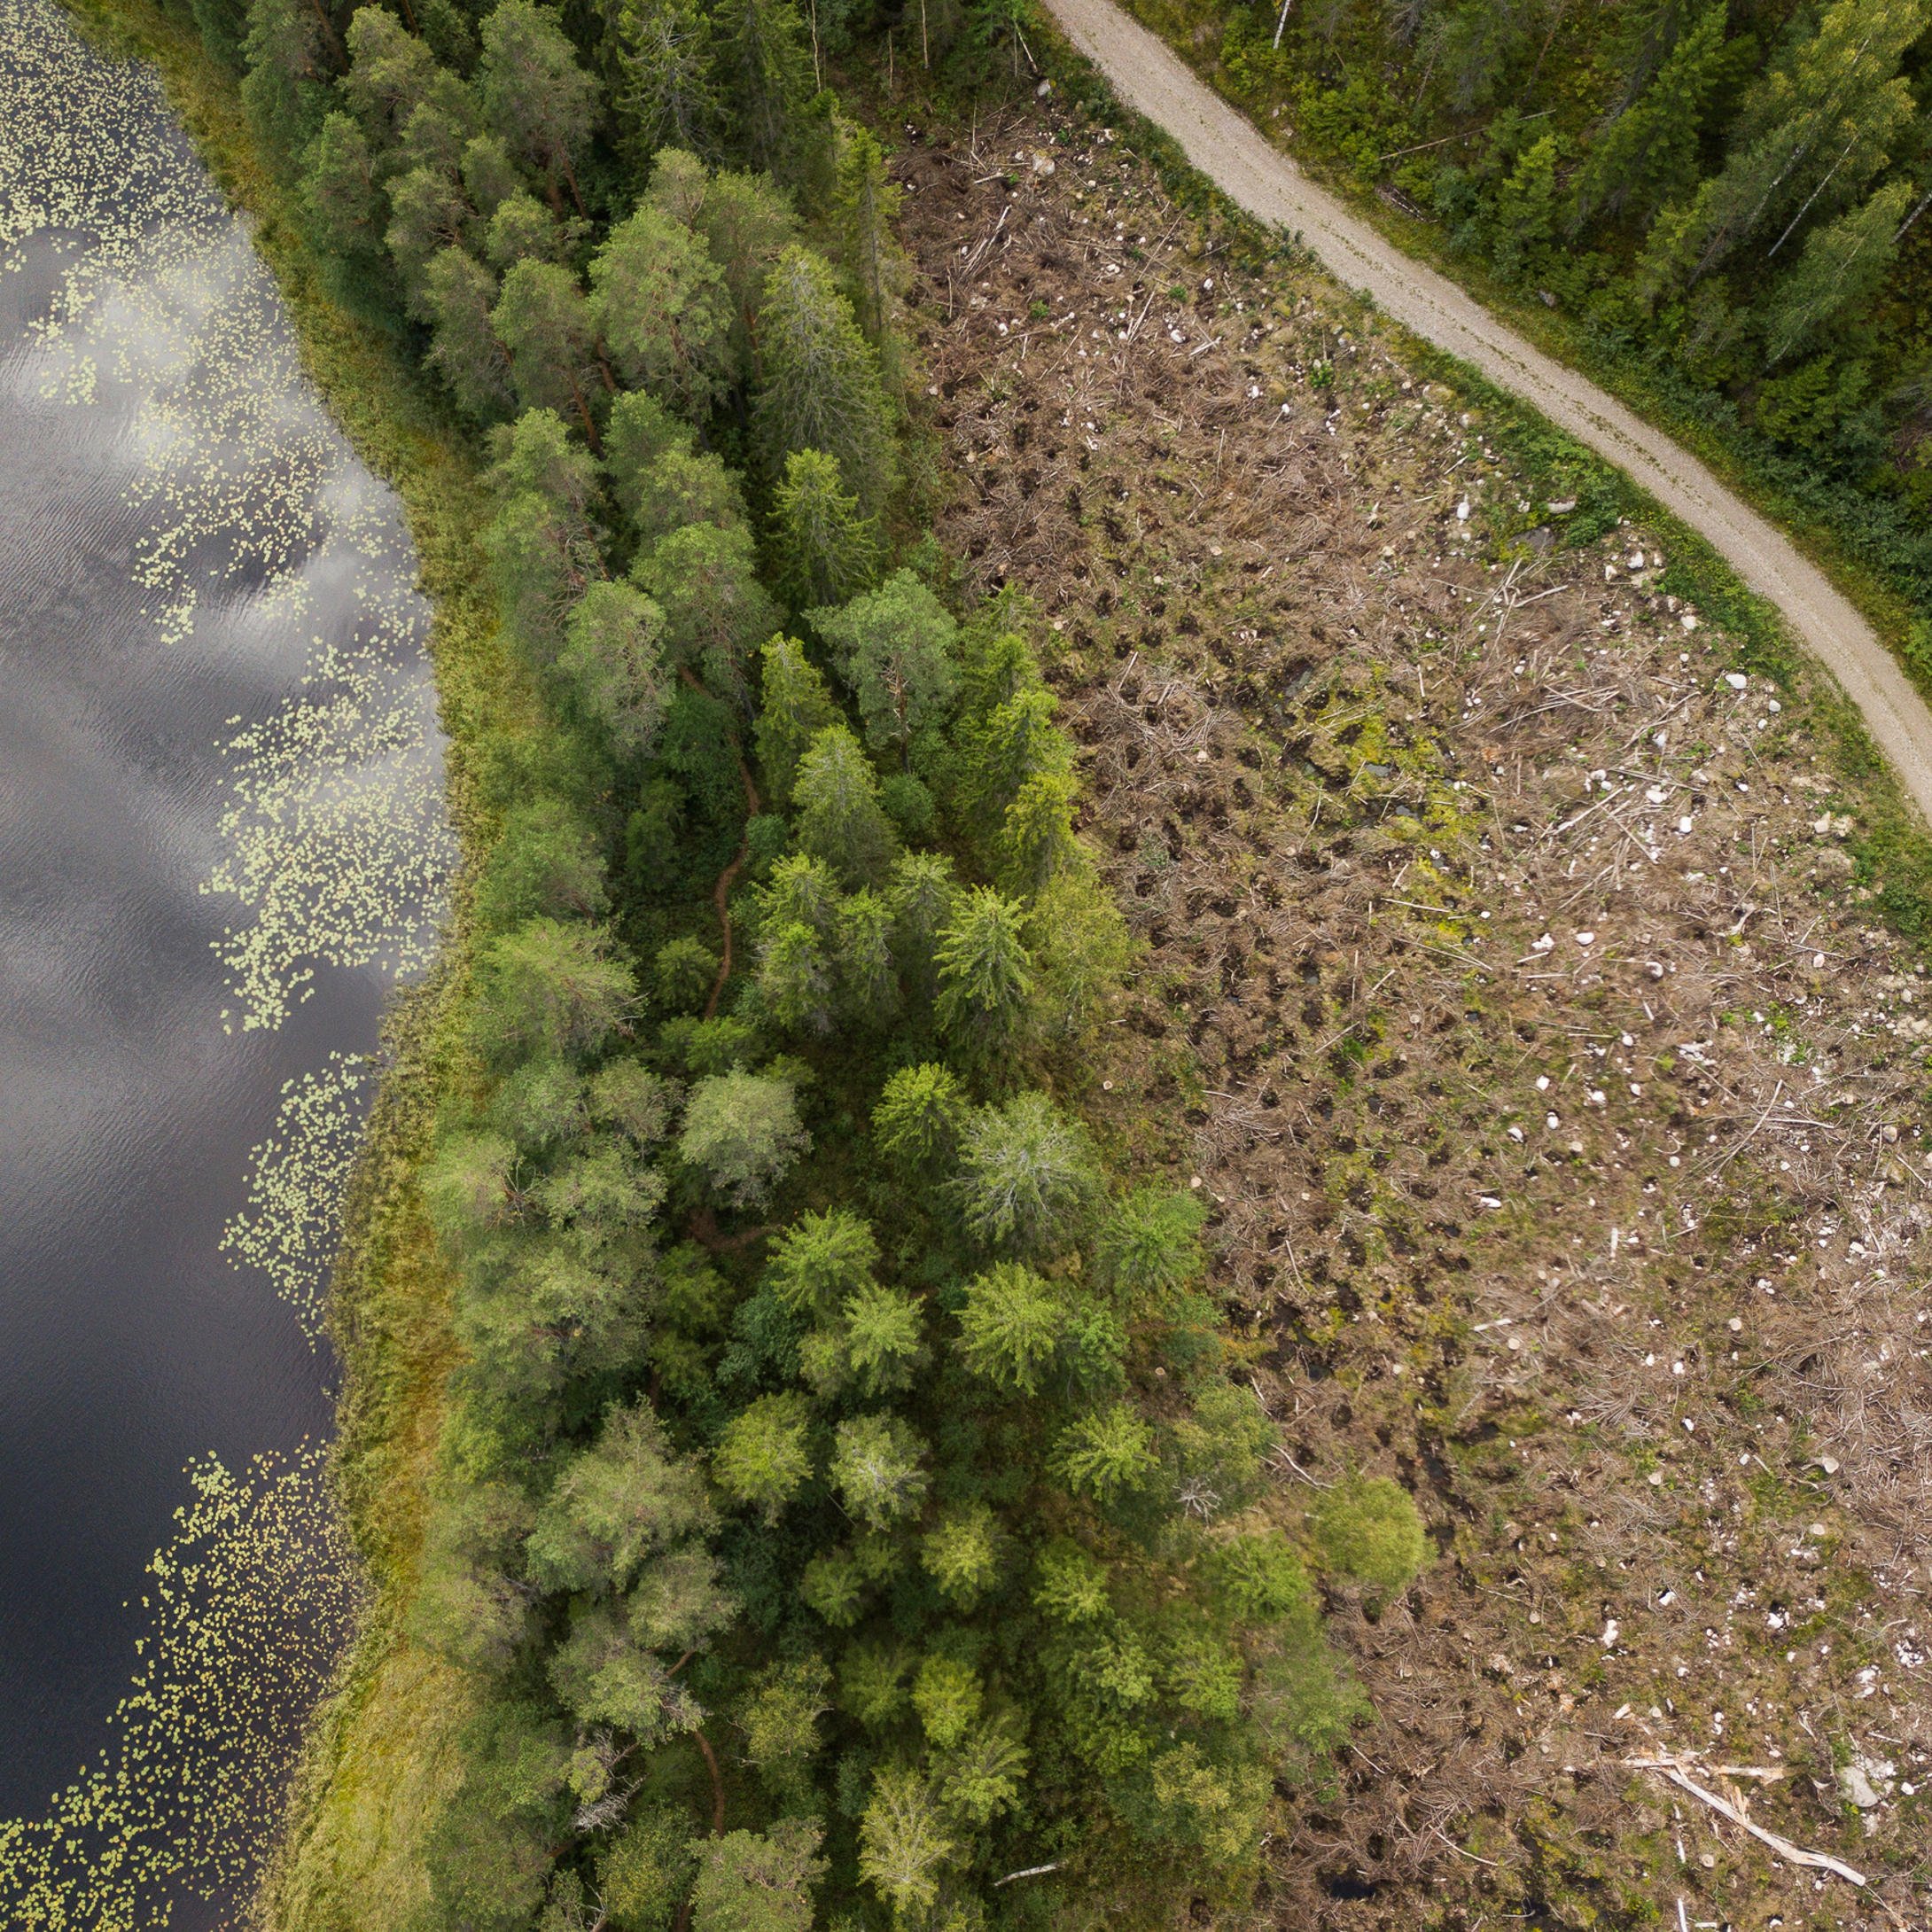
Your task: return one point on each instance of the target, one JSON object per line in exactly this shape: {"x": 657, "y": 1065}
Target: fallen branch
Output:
{"x": 1816, "y": 1861}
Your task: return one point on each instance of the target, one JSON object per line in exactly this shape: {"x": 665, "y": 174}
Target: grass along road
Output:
{"x": 1152, "y": 80}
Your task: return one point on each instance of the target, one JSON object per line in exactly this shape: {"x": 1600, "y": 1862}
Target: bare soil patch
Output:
{"x": 1509, "y": 985}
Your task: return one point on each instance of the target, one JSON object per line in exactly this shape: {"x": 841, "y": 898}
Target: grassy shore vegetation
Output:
{"x": 803, "y": 1478}
{"x": 1718, "y": 210}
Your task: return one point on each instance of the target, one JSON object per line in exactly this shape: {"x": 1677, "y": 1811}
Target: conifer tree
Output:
{"x": 542, "y": 319}
{"x": 716, "y": 614}
{"x": 1028, "y": 1177}
{"x": 794, "y": 708}
{"x": 666, "y": 94}
{"x": 896, "y": 650}
{"x": 1648, "y": 154}
{"x": 536, "y": 98}
{"x": 660, "y": 304}
{"x": 921, "y": 1114}
{"x": 428, "y": 211}
{"x": 867, "y": 206}
{"x": 823, "y": 549}
{"x": 760, "y": 73}
{"x": 612, "y": 663}
{"x": 289, "y": 49}
{"x": 984, "y": 975}
{"x": 819, "y": 386}
{"x": 1838, "y": 273}
{"x": 390, "y": 70}
{"x": 1811, "y": 134}
{"x": 458, "y": 296}
{"x": 339, "y": 190}
{"x": 746, "y": 221}
{"x": 840, "y": 817}
{"x": 522, "y": 228}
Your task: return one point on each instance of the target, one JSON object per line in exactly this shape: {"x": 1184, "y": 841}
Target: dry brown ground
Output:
{"x": 1505, "y": 985}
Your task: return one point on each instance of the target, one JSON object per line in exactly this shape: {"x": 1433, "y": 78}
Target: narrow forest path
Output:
{"x": 1152, "y": 80}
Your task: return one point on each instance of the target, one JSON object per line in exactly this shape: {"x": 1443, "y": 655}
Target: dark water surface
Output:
{"x": 221, "y": 845}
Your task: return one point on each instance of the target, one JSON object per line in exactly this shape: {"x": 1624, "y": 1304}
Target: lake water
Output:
{"x": 221, "y": 844}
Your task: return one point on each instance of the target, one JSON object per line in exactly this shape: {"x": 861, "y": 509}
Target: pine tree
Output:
{"x": 390, "y": 71}
{"x": 896, "y": 649}
{"x": 288, "y": 50}
{"x": 716, "y": 614}
{"x": 535, "y": 96}
{"x": 339, "y": 189}
{"x": 523, "y": 230}
{"x": 665, "y": 319}
{"x": 747, "y": 223}
{"x": 428, "y": 211}
{"x": 681, "y": 487}
{"x": 458, "y": 296}
{"x": 612, "y": 664}
{"x": 542, "y": 321}
{"x": 823, "y": 549}
{"x": 819, "y": 386}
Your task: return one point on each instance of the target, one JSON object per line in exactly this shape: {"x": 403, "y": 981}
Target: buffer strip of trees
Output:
{"x": 846, "y": 1504}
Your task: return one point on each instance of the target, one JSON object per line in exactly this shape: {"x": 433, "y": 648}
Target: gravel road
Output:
{"x": 1153, "y": 80}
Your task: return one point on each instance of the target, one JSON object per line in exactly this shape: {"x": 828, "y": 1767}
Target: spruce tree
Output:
{"x": 760, "y": 73}
{"x": 867, "y": 208}
{"x": 985, "y": 976}
{"x": 794, "y": 708}
{"x": 823, "y": 549}
{"x": 819, "y": 386}
{"x": 839, "y": 818}
{"x": 665, "y": 95}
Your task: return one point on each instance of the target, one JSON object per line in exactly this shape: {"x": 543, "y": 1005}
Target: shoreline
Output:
{"x": 388, "y": 1310}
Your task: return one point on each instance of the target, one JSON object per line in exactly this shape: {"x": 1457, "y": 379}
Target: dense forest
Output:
{"x": 850, "y": 1506}
{"x": 1729, "y": 198}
